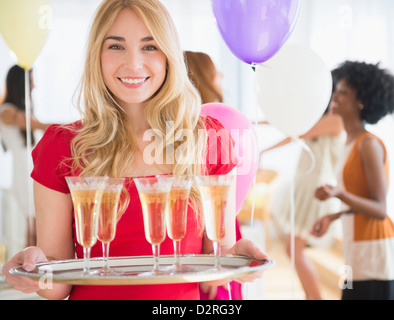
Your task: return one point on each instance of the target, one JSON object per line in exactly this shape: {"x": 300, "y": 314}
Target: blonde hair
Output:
{"x": 103, "y": 145}
{"x": 202, "y": 72}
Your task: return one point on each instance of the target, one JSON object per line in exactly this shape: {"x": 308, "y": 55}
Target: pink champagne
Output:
{"x": 214, "y": 200}
{"x": 177, "y": 213}
{"x": 108, "y": 216}
{"x": 153, "y": 208}
{"x": 86, "y": 203}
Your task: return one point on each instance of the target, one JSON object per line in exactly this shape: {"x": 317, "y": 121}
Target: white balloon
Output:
{"x": 294, "y": 89}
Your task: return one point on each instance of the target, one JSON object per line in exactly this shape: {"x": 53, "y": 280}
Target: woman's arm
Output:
{"x": 372, "y": 155}
{"x": 54, "y": 231}
{"x": 373, "y": 158}
{"x": 282, "y": 143}
{"x": 14, "y": 117}
{"x": 329, "y": 124}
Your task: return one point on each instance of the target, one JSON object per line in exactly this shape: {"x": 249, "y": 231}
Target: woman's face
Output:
{"x": 133, "y": 66}
{"x": 344, "y": 101}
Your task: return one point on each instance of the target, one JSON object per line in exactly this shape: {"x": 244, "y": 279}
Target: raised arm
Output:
{"x": 329, "y": 124}
{"x": 14, "y": 117}
{"x": 372, "y": 155}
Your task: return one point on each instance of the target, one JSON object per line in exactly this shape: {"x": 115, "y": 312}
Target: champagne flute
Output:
{"x": 86, "y": 194}
{"x": 107, "y": 220}
{"x": 177, "y": 216}
{"x": 214, "y": 195}
{"x": 153, "y": 193}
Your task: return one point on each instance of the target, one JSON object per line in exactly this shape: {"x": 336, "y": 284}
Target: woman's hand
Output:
{"x": 326, "y": 192}
{"x": 320, "y": 227}
{"x": 243, "y": 247}
{"x": 27, "y": 258}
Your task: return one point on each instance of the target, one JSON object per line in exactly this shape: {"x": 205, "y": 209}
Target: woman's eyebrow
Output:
{"x": 117, "y": 38}
{"x": 147, "y": 39}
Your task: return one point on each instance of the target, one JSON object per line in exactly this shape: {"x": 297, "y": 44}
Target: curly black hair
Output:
{"x": 374, "y": 86}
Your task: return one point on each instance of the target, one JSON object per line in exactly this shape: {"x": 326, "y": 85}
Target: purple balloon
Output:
{"x": 255, "y": 30}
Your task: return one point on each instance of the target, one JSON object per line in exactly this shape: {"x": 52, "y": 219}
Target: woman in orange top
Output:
{"x": 364, "y": 94}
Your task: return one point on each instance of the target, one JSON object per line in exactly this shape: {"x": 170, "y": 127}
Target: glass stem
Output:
{"x": 156, "y": 252}
{"x": 86, "y": 259}
{"x": 106, "y": 255}
{"x": 216, "y": 250}
{"x": 177, "y": 250}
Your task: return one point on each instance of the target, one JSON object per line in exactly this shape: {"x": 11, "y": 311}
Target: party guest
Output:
{"x": 13, "y": 137}
{"x": 324, "y": 142}
{"x": 134, "y": 80}
{"x": 364, "y": 94}
{"x": 205, "y": 76}
{"x": 207, "y": 79}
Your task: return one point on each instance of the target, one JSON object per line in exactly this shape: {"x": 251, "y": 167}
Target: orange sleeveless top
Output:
{"x": 368, "y": 243}
{"x": 365, "y": 228}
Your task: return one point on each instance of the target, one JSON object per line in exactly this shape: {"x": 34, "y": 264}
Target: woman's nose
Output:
{"x": 133, "y": 60}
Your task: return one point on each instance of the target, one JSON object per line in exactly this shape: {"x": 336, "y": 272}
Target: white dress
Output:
{"x": 17, "y": 201}
{"x": 307, "y": 209}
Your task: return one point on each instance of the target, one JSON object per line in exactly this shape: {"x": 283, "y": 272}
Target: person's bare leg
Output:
{"x": 305, "y": 269}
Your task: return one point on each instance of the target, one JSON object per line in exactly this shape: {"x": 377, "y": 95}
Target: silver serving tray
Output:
{"x": 134, "y": 270}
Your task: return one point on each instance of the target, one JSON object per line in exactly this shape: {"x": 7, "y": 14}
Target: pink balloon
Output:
{"x": 245, "y": 147}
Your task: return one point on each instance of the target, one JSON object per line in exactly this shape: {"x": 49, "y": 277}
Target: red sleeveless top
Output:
{"x": 130, "y": 240}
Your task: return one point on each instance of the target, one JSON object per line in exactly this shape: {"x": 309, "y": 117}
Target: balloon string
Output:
{"x": 292, "y": 212}
{"x": 258, "y": 164}
{"x": 253, "y": 200}
{"x": 28, "y": 143}
{"x": 311, "y": 154}
{"x": 292, "y": 237}
{"x": 254, "y": 179}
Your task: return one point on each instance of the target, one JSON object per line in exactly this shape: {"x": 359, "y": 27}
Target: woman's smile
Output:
{"x": 131, "y": 82}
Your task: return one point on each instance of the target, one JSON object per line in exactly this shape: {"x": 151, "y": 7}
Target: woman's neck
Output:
{"x": 137, "y": 119}
{"x": 354, "y": 130}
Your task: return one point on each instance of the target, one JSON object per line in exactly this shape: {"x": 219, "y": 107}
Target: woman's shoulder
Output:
{"x": 57, "y": 138}
{"x": 8, "y": 112}
{"x": 63, "y": 130}
{"x": 369, "y": 142}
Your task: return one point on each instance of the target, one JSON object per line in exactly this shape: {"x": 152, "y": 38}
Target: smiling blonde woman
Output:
{"x": 135, "y": 80}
